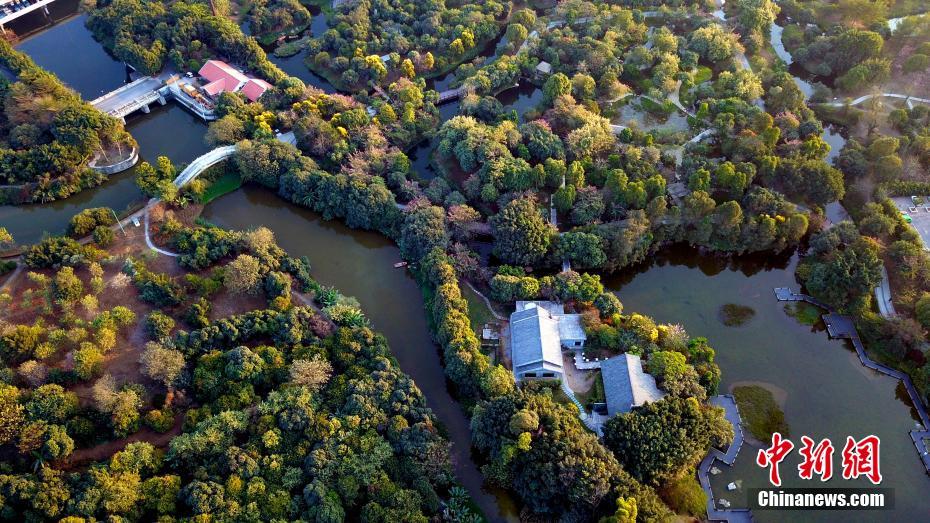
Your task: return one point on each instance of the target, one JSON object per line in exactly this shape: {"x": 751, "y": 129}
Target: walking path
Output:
{"x": 883, "y": 297}
{"x": 486, "y": 301}
{"x": 843, "y": 327}
{"x": 728, "y": 404}
{"x": 908, "y": 98}
{"x": 148, "y": 239}
{"x": 15, "y": 274}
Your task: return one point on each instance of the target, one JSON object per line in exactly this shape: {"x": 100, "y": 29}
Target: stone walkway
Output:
{"x": 843, "y": 327}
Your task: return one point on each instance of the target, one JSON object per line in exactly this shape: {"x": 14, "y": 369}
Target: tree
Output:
{"x": 423, "y": 230}
{"x": 556, "y": 86}
{"x": 227, "y": 130}
{"x": 243, "y": 275}
{"x": 158, "y": 325}
{"x": 922, "y": 310}
{"x": 845, "y": 278}
{"x": 5, "y": 237}
{"x": 521, "y": 236}
{"x": 659, "y": 440}
{"x": 68, "y": 288}
{"x": 311, "y": 373}
{"x": 11, "y": 414}
{"x": 626, "y": 512}
{"x": 583, "y": 249}
{"x": 162, "y": 364}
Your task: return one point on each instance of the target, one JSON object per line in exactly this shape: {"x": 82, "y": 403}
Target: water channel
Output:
{"x": 826, "y": 392}
{"x": 360, "y": 264}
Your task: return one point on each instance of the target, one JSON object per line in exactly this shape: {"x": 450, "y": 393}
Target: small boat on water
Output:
{"x": 400, "y": 265}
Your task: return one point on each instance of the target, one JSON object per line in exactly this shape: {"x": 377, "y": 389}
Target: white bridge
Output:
{"x": 134, "y": 96}
{"x": 204, "y": 162}
{"x": 215, "y": 156}
{"x": 11, "y": 12}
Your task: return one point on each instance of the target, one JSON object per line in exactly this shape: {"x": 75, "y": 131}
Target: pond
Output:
{"x": 829, "y": 394}
{"x": 167, "y": 131}
{"x": 89, "y": 69}
{"x": 630, "y": 114}
{"x": 360, "y": 264}
{"x": 295, "y": 66}
{"x": 69, "y": 50}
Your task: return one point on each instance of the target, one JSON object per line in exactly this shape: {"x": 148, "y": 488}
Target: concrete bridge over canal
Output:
{"x": 132, "y": 97}
{"x": 13, "y": 10}
{"x": 140, "y": 94}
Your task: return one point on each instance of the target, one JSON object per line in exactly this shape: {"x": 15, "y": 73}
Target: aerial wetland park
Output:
{"x": 464, "y": 261}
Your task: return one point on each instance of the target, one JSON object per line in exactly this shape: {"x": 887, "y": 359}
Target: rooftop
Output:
{"x": 626, "y": 385}
{"x": 254, "y": 88}
{"x": 535, "y": 340}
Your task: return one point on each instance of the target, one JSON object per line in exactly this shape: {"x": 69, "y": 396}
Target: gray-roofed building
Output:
{"x": 543, "y": 68}
{"x": 538, "y": 331}
{"x": 626, "y": 385}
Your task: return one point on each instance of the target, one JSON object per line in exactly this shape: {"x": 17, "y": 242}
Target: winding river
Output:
{"x": 826, "y": 392}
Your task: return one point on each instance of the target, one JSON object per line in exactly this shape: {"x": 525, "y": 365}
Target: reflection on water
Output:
{"x": 828, "y": 393}
{"x": 167, "y": 131}
{"x": 360, "y": 264}
{"x": 68, "y": 50}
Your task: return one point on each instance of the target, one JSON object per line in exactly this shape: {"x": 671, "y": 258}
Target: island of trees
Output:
{"x": 49, "y": 135}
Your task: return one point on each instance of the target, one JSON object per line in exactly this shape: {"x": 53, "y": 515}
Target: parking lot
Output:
{"x": 919, "y": 214}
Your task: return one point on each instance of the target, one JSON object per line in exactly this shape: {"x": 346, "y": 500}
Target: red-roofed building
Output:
{"x": 254, "y": 88}
{"x": 221, "y": 77}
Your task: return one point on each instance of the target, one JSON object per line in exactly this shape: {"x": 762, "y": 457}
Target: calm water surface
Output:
{"x": 360, "y": 264}
{"x": 828, "y": 393}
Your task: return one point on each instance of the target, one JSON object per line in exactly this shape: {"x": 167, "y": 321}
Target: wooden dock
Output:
{"x": 840, "y": 326}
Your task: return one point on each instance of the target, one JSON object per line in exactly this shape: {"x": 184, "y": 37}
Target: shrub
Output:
{"x": 88, "y": 361}
{"x": 104, "y": 236}
{"x": 86, "y": 221}
{"x": 916, "y": 63}
{"x": 158, "y": 325}
{"x": 160, "y": 420}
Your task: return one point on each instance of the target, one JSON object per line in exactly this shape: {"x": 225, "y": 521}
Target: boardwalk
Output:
{"x": 842, "y": 327}
{"x": 451, "y": 94}
{"x": 728, "y": 458}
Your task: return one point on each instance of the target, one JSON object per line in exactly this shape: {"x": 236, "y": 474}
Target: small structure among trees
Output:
{"x": 626, "y": 385}
{"x": 538, "y": 330}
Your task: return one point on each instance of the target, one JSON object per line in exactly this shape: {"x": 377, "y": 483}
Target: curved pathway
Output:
{"x": 907, "y": 98}
{"x": 842, "y": 327}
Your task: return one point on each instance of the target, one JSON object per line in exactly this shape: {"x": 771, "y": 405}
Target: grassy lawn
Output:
{"x": 593, "y": 395}
{"x": 805, "y": 313}
{"x": 703, "y": 74}
{"x": 226, "y": 183}
{"x": 478, "y": 312}
{"x": 760, "y": 412}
